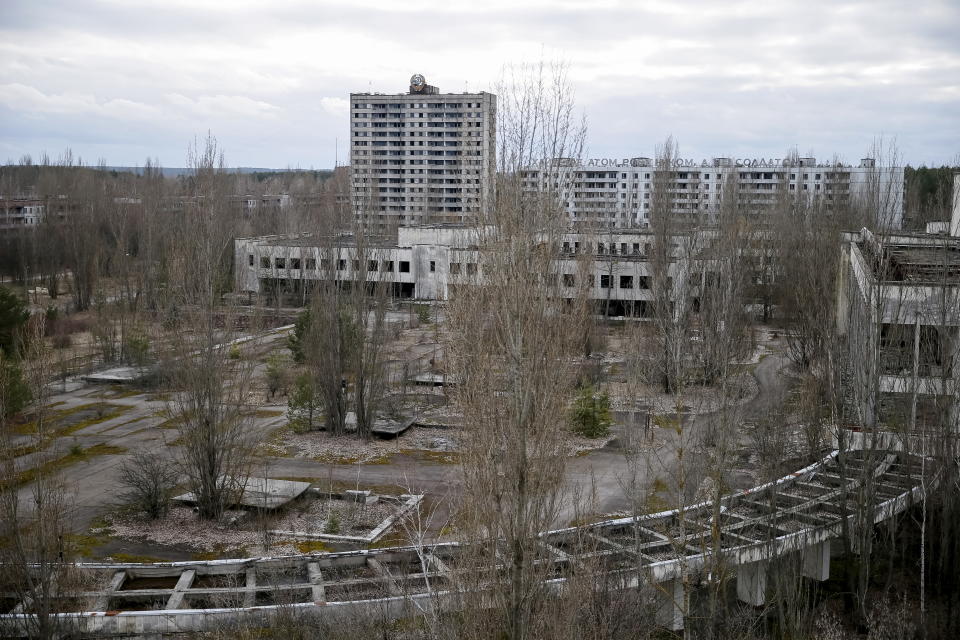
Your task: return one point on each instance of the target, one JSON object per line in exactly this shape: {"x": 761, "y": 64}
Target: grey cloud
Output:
{"x": 134, "y": 81}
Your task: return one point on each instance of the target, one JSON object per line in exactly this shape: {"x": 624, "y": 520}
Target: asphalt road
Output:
{"x": 596, "y": 483}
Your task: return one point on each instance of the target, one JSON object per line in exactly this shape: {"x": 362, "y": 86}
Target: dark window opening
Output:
{"x": 569, "y": 280}
{"x": 264, "y": 262}
{"x": 250, "y": 259}
{"x": 454, "y": 268}
{"x": 294, "y": 263}
{"x": 604, "y": 282}
{"x": 404, "y": 266}
{"x": 371, "y": 265}
{"x": 280, "y": 263}
{"x": 311, "y": 263}
{"x": 433, "y": 266}
{"x": 388, "y": 266}
{"x": 626, "y": 282}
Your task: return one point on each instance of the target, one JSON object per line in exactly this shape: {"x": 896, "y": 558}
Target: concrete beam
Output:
{"x": 316, "y": 581}
{"x": 184, "y": 583}
{"x": 816, "y": 561}
{"x": 671, "y": 601}
{"x": 752, "y": 583}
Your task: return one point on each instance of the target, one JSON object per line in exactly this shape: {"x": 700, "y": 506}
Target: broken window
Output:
{"x": 404, "y": 266}
{"x": 626, "y": 282}
{"x": 280, "y": 263}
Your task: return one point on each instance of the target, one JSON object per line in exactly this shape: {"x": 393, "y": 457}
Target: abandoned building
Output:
{"x": 428, "y": 263}
{"x": 899, "y": 308}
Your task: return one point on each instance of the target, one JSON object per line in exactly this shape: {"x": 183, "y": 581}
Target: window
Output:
{"x": 295, "y": 263}
{"x": 643, "y": 282}
{"x": 356, "y": 265}
{"x": 592, "y": 280}
{"x": 388, "y": 266}
{"x": 404, "y": 266}
{"x": 433, "y": 266}
{"x": 311, "y": 263}
{"x": 250, "y": 259}
{"x": 264, "y": 262}
{"x": 636, "y": 247}
{"x": 454, "y": 268}
{"x": 569, "y": 280}
{"x": 605, "y": 281}
{"x": 471, "y": 268}
{"x": 626, "y": 282}
{"x": 371, "y": 265}
{"x": 280, "y": 263}
{"x": 341, "y": 264}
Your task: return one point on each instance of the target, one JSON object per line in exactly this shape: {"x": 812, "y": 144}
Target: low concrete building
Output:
{"x": 430, "y": 262}
{"x": 899, "y": 308}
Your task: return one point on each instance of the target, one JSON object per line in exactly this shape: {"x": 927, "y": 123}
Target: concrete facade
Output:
{"x": 602, "y": 195}
{"x": 422, "y": 156}
{"x": 430, "y": 262}
{"x": 899, "y": 308}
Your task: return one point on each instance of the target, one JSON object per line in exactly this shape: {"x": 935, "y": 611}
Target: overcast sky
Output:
{"x": 124, "y": 80}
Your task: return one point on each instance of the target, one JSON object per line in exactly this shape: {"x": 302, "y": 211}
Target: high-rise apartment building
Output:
{"x": 620, "y": 194}
{"x": 422, "y": 156}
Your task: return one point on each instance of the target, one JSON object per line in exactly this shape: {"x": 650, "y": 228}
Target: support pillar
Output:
{"x": 752, "y": 583}
{"x": 670, "y": 604}
{"x": 816, "y": 561}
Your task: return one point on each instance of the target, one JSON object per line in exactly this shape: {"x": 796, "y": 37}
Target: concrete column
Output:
{"x": 816, "y": 561}
{"x": 752, "y": 583}
{"x": 670, "y": 604}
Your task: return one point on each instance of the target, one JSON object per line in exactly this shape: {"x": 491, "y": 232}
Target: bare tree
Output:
{"x": 212, "y": 419}
{"x": 512, "y": 343}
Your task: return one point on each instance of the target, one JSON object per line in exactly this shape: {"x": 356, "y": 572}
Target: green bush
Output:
{"x": 295, "y": 340}
{"x": 332, "y": 525}
{"x": 14, "y": 392}
{"x": 13, "y": 315}
{"x": 423, "y": 313}
{"x": 304, "y": 408}
{"x": 591, "y": 414}
{"x": 234, "y": 352}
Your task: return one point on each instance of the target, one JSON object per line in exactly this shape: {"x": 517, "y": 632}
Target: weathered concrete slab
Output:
{"x": 115, "y": 375}
{"x": 385, "y": 428}
{"x": 262, "y": 493}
